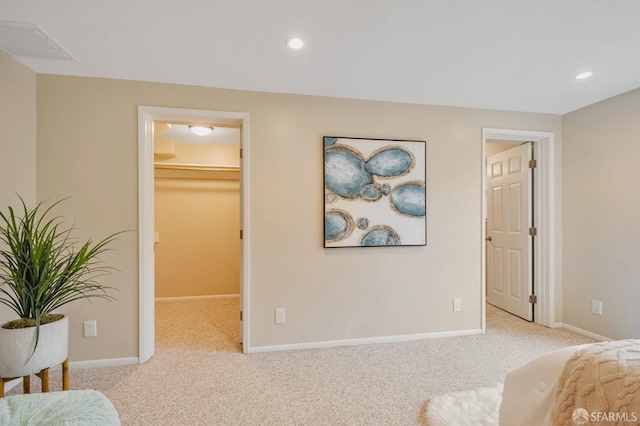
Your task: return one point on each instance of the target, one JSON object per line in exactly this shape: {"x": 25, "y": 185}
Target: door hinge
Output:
{"x": 241, "y": 234}
{"x": 240, "y": 152}
{"x": 533, "y": 299}
{"x": 533, "y": 231}
{"x": 240, "y": 315}
{"x": 533, "y": 164}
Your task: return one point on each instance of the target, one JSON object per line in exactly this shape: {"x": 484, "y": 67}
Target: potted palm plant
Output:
{"x": 42, "y": 267}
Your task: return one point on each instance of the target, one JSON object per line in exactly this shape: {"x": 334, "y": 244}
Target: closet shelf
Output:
{"x": 186, "y": 166}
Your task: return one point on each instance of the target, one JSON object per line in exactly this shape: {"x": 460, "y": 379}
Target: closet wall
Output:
{"x": 197, "y": 220}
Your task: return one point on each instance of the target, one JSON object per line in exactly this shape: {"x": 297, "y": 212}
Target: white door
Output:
{"x": 509, "y": 217}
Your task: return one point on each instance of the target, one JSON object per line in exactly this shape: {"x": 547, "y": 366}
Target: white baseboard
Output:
{"x": 12, "y": 384}
{"x": 362, "y": 341}
{"x": 97, "y": 363}
{"x": 186, "y": 298}
{"x": 582, "y": 332}
{"x": 77, "y": 365}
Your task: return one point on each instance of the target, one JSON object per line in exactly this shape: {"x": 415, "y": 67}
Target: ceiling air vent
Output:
{"x": 30, "y": 41}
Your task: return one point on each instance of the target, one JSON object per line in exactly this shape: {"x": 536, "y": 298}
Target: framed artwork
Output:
{"x": 374, "y": 192}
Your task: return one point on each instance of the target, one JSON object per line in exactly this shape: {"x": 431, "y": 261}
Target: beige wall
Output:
{"x": 18, "y": 141}
{"x": 87, "y": 147}
{"x": 602, "y": 207}
{"x": 199, "y": 249}
{"x": 18, "y": 124}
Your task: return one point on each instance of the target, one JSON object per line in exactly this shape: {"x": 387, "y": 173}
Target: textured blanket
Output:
{"x": 600, "y": 384}
{"x": 68, "y": 408}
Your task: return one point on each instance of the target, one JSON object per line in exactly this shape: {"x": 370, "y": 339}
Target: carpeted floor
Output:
{"x": 200, "y": 377}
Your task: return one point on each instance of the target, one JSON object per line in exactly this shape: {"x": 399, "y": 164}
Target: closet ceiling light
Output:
{"x": 201, "y": 130}
{"x": 583, "y": 75}
{"x": 295, "y": 43}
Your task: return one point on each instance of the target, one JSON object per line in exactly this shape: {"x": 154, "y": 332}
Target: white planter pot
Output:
{"x": 16, "y": 347}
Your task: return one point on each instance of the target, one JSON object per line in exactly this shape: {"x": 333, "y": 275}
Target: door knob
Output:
{"x": 488, "y": 238}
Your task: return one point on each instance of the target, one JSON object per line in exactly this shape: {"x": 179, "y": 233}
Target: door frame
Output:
{"x": 543, "y": 218}
{"x": 146, "y": 226}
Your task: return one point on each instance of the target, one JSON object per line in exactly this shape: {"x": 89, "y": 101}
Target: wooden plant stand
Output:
{"x": 44, "y": 378}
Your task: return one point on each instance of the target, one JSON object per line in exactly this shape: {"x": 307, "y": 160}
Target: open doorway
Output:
{"x": 543, "y": 218}
{"x": 147, "y": 117}
{"x": 509, "y": 226}
{"x": 197, "y": 247}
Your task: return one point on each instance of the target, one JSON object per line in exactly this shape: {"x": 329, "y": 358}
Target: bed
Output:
{"x": 76, "y": 407}
{"x": 597, "y": 383}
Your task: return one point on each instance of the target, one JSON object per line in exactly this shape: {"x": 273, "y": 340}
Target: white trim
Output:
{"x": 146, "y": 264}
{"x": 146, "y": 116}
{"x": 483, "y": 244}
{"x": 582, "y": 332}
{"x": 363, "y": 341}
{"x": 544, "y": 219}
{"x": 99, "y": 363}
{"x": 78, "y": 365}
{"x": 222, "y": 167}
{"x": 245, "y": 243}
{"x": 187, "y": 298}
{"x": 12, "y": 384}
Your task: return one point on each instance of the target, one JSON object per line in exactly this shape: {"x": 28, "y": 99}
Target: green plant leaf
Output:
{"x": 43, "y": 267}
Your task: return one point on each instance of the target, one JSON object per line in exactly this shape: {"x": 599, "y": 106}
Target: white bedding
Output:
{"x": 528, "y": 391}
{"x": 76, "y": 407}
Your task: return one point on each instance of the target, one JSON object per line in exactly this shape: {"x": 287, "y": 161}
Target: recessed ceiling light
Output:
{"x": 583, "y": 75}
{"x": 201, "y": 130}
{"x": 295, "y": 43}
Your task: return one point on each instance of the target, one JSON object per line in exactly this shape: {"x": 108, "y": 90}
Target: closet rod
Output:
{"x": 204, "y": 167}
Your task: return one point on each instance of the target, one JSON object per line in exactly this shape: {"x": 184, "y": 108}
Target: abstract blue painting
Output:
{"x": 375, "y": 192}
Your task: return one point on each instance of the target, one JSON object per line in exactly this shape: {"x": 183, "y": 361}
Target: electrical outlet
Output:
{"x": 280, "y": 317}
{"x": 596, "y": 307}
{"x": 457, "y": 305}
{"x": 90, "y": 328}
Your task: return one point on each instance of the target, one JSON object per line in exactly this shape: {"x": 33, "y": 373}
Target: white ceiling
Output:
{"x": 501, "y": 54}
